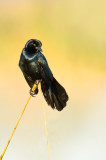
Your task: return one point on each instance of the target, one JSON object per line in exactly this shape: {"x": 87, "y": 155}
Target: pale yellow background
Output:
{"x": 73, "y": 34}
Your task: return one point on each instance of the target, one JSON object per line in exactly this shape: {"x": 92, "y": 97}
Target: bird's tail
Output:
{"x": 55, "y": 95}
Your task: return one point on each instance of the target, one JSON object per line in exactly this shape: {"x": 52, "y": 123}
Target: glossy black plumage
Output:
{"x": 35, "y": 67}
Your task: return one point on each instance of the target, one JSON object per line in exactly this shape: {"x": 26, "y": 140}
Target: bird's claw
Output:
{"x": 32, "y": 93}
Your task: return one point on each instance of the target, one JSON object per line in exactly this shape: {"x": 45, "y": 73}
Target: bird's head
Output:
{"x": 33, "y": 46}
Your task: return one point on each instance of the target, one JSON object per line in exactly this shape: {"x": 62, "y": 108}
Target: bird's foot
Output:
{"x": 32, "y": 93}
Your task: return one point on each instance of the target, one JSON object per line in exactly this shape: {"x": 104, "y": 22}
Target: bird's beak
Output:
{"x": 39, "y": 49}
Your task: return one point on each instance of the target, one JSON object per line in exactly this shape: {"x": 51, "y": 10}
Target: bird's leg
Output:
{"x": 33, "y": 93}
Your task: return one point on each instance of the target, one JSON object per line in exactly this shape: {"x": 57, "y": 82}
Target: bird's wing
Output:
{"x": 44, "y": 70}
{"x": 47, "y": 79}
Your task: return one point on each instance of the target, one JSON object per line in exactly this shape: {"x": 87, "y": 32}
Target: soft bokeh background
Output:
{"x": 73, "y": 33}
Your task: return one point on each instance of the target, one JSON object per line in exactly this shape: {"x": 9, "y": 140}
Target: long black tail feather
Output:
{"x": 55, "y": 96}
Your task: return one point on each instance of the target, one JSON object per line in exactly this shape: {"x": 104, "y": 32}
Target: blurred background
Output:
{"x": 73, "y": 34}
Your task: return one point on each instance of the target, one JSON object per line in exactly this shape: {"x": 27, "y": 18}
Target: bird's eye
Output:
{"x": 34, "y": 45}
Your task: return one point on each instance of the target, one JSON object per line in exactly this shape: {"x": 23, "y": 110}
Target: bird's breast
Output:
{"x": 33, "y": 67}
{"x": 30, "y": 65}
{"x": 33, "y": 70}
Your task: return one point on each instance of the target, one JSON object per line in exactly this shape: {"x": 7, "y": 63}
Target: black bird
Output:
{"x": 35, "y": 67}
